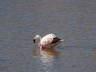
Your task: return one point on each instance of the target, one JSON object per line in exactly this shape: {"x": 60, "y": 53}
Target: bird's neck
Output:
{"x": 39, "y": 38}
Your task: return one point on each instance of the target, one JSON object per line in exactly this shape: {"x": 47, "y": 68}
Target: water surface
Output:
{"x": 72, "y": 20}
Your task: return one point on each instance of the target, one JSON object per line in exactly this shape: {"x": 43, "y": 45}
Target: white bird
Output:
{"x": 48, "y": 41}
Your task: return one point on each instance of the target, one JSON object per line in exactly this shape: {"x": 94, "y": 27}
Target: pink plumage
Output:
{"x": 48, "y": 41}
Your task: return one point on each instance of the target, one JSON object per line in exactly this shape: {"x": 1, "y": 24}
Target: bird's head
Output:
{"x": 37, "y": 37}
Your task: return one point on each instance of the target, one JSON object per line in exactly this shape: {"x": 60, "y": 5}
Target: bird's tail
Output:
{"x": 61, "y": 40}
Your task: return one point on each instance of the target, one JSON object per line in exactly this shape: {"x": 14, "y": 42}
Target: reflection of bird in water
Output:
{"x": 47, "y": 55}
{"x": 47, "y": 58}
{"x": 48, "y": 41}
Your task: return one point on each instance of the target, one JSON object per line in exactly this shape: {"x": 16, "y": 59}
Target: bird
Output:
{"x": 48, "y": 41}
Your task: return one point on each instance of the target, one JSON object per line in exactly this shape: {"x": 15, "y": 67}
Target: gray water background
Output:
{"x": 72, "y": 20}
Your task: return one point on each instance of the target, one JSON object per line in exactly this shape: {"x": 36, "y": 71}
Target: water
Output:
{"x": 72, "y": 20}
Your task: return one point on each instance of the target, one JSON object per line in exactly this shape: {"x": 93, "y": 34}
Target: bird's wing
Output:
{"x": 49, "y": 39}
{"x": 55, "y": 40}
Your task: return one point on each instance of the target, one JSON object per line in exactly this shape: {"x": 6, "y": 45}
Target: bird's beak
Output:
{"x": 34, "y": 40}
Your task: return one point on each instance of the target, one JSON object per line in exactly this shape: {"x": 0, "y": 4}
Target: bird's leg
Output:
{"x": 40, "y": 46}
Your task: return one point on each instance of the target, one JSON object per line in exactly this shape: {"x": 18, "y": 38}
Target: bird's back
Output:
{"x": 50, "y": 36}
{"x": 45, "y": 38}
